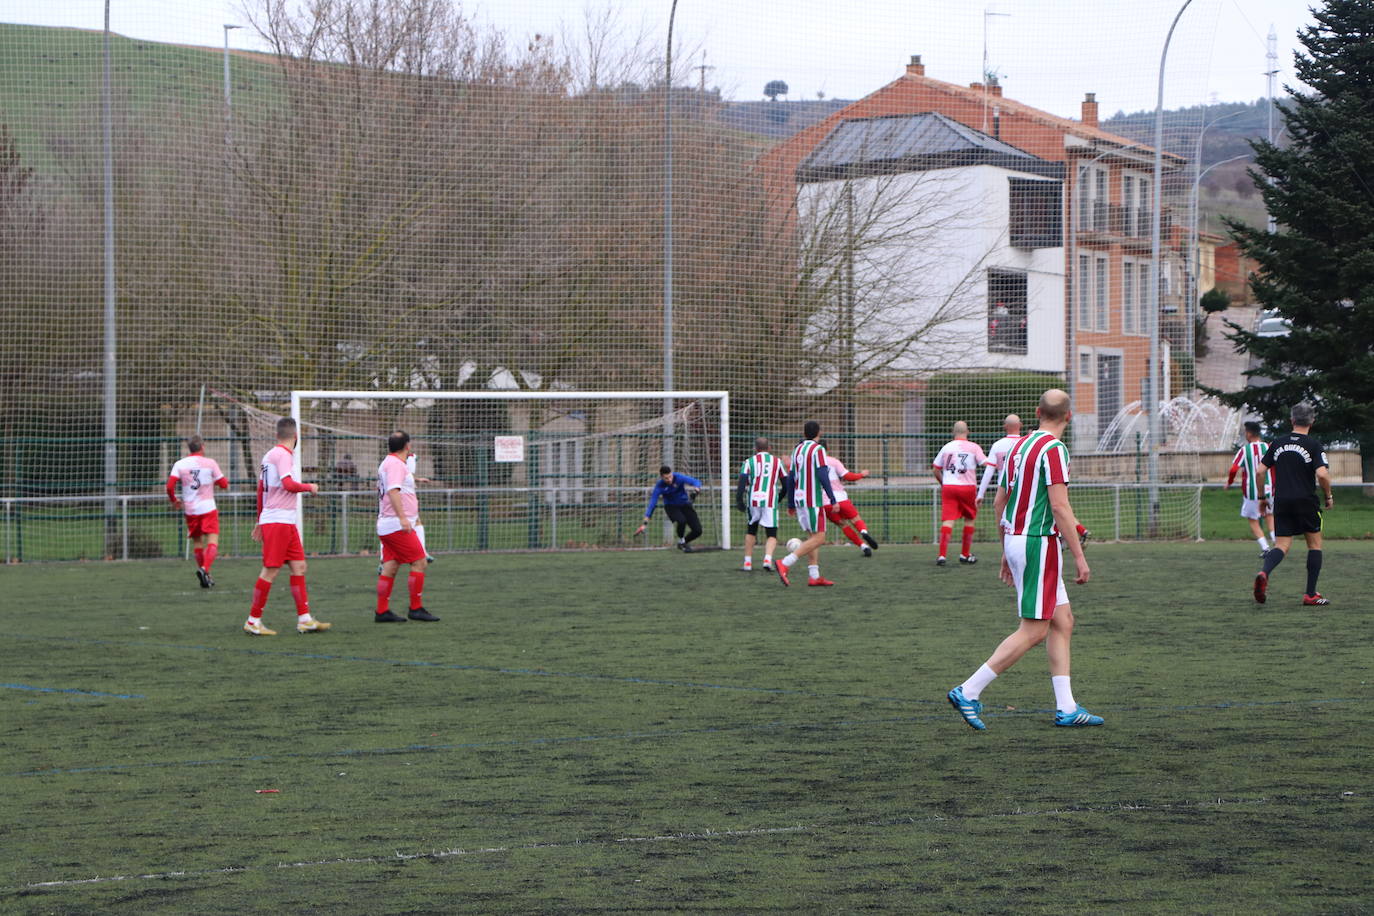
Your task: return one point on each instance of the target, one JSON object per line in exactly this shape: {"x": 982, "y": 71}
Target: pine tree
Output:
{"x": 1317, "y": 269}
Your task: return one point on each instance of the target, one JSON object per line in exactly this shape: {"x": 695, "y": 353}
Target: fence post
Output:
{"x": 887, "y": 527}
{"x": 553, "y": 523}
{"x": 1197, "y": 510}
{"x": 934, "y": 512}
{"x": 1116, "y": 492}
{"x": 124, "y": 515}
{"x": 343, "y": 521}
{"x": 9, "y": 532}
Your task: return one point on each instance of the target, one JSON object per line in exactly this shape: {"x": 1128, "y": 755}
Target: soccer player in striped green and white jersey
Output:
{"x": 1033, "y": 505}
{"x": 808, "y": 485}
{"x": 756, "y": 495}
{"x": 1256, "y": 484}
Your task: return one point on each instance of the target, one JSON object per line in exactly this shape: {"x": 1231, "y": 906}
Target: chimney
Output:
{"x": 994, "y": 85}
{"x": 915, "y": 68}
{"x": 1090, "y": 109}
{"x": 977, "y": 86}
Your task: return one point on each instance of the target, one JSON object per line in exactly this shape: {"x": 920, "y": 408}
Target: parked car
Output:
{"x": 1273, "y": 326}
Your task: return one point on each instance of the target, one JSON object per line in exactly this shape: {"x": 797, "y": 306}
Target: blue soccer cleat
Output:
{"x": 1077, "y": 719}
{"x": 969, "y": 709}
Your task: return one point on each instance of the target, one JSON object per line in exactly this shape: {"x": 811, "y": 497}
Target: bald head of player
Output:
{"x": 1012, "y": 424}
{"x": 1054, "y": 406}
{"x": 960, "y": 429}
{"x": 761, "y": 444}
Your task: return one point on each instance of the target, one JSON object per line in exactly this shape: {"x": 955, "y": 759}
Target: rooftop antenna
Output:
{"x": 987, "y": 14}
{"x": 1271, "y": 58}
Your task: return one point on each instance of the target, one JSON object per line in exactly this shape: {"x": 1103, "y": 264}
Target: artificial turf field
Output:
{"x": 655, "y": 732}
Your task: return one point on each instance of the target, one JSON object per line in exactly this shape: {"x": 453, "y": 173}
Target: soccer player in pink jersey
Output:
{"x": 398, "y": 510}
{"x": 997, "y": 455}
{"x": 956, "y": 470}
{"x": 197, "y": 476}
{"x": 1033, "y": 503}
{"x": 840, "y": 510}
{"x": 1256, "y": 484}
{"x": 276, "y": 529}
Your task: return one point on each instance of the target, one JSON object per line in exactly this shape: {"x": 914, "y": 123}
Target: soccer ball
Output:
{"x": 794, "y": 545}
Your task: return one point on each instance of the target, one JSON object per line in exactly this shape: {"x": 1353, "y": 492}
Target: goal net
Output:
{"x": 508, "y": 470}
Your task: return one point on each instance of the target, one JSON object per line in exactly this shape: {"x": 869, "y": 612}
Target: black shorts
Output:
{"x": 1297, "y": 516}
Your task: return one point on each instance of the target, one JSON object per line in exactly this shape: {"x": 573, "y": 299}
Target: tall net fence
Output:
{"x": 207, "y": 208}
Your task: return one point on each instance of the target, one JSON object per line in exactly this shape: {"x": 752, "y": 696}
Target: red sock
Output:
{"x": 384, "y": 584}
{"x": 260, "y": 590}
{"x": 200, "y": 556}
{"x": 211, "y": 552}
{"x": 298, "y": 592}
{"x": 945, "y": 532}
{"x": 853, "y": 536}
{"x": 417, "y": 590}
{"x": 968, "y": 539}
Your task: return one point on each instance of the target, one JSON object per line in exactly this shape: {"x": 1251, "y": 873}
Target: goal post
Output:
{"x": 587, "y": 424}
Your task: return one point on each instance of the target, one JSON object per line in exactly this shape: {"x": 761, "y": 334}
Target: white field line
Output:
{"x": 685, "y": 836}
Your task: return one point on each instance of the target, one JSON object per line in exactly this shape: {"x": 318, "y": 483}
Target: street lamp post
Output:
{"x": 228, "y": 92}
{"x": 1195, "y": 211}
{"x": 1155, "y": 226}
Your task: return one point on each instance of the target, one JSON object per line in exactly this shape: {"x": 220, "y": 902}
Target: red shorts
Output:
{"x": 841, "y": 512}
{"x": 402, "y": 547}
{"x": 281, "y": 543}
{"x": 197, "y": 525}
{"x": 957, "y": 502}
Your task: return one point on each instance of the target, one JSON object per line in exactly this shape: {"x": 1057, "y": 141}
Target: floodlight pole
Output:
{"x": 668, "y": 239}
{"x": 1156, "y": 215}
{"x": 228, "y": 91}
{"x": 111, "y": 339}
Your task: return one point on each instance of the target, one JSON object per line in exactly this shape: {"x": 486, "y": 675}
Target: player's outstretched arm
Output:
{"x": 1065, "y": 520}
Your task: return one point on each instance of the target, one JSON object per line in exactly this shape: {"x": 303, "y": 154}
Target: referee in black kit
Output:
{"x": 1299, "y": 464}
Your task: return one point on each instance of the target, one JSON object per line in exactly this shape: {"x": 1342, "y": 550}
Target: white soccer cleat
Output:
{"x": 254, "y": 627}
{"x": 314, "y": 626}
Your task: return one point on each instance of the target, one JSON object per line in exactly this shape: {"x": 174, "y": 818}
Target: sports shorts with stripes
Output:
{"x": 1037, "y": 567}
{"x": 811, "y": 519}
{"x": 767, "y": 516}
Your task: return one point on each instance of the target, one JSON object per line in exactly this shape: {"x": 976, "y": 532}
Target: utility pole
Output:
{"x": 1271, "y": 76}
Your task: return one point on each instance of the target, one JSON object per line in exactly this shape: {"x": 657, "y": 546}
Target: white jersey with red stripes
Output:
{"x": 959, "y": 461}
{"x": 196, "y": 475}
{"x": 997, "y": 455}
{"x": 837, "y": 472}
{"x": 395, "y": 474}
{"x": 278, "y": 503}
{"x": 1036, "y": 464}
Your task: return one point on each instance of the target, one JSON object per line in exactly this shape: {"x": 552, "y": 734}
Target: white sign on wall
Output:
{"x": 510, "y": 449}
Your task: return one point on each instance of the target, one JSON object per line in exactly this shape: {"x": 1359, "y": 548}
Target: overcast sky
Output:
{"x": 1048, "y": 52}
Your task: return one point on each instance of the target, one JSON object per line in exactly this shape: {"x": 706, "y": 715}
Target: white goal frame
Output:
{"x": 721, "y": 396}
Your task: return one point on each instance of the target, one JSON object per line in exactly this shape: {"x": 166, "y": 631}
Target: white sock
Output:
{"x": 303, "y": 618}
{"x": 1063, "y": 694}
{"x": 814, "y": 571}
{"x": 1264, "y": 545}
{"x": 789, "y": 560}
{"x": 768, "y": 558}
{"x": 973, "y": 687}
{"x": 420, "y": 533}
{"x": 748, "y": 562}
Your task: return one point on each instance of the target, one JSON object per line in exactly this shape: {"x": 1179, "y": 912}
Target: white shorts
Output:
{"x": 811, "y": 519}
{"x": 1037, "y": 566}
{"x": 765, "y": 516}
{"x": 1249, "y": 508}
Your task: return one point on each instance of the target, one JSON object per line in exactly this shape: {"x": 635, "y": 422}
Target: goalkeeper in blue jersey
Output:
{"x": 676, "y": 490}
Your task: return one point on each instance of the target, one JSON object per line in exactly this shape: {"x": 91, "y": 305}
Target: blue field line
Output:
{"x": 488, "y": 669}
{"x": 84, "y": 693}
{"x": 656, "y": 735}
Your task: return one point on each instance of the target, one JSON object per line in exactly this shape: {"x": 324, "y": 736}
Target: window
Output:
{"x": 1108, "y": 392}
{"x": 1129, "y": 303}
{"x": 1091, "y": 198}
{"x": 1101, "y": 306}
{"x": 1143, "y": 294}
{"x": 1136, "y": 204}
{"x": 1006, "y": 311}
{"x": 1082, "y": 284}
{"x": 1036, "y": 213}
{"x": 1086, "y": 364}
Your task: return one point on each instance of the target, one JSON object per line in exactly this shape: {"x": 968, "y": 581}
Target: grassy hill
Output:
{"x": 51, "y": 83}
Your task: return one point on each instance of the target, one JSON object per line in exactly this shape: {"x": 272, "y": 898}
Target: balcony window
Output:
{"x": 1007, "y": 296}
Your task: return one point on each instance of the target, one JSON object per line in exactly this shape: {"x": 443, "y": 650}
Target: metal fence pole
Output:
{"x": 124, "y": 514}
{"x": 9, "y": 531}
{"x": 1116, "y": 511}
{"x": 343, "y": 521}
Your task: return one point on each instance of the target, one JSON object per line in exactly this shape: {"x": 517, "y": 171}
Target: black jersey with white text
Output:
{"x": 1295, "y": 459}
